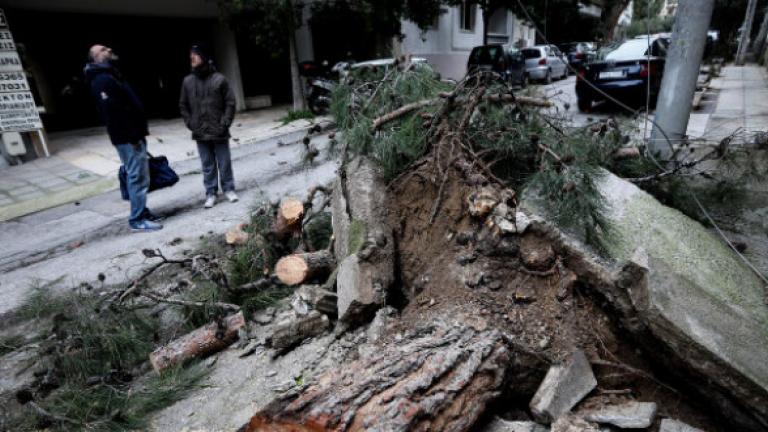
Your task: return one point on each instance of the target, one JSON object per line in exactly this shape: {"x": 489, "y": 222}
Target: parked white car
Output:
{"x": 545, "y": 62}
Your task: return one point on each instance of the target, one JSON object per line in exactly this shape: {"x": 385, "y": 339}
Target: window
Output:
{"x": 467, "y": 16}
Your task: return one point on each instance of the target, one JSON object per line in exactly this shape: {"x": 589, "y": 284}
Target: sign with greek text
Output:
{"x": 18, "y": 111}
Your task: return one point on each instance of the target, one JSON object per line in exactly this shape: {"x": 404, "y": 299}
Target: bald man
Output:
{"x": 126, "y": 123}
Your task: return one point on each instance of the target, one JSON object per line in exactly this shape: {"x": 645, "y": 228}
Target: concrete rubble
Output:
{"x": 564, "y": 386}
{"x": 630, "y": 415}
{"x": 364, "y": 245}
{"x": 671, "y": 425}
{"x": 501, "y": 425}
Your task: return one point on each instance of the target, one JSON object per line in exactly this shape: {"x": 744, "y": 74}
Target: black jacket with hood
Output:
{"x": 118, "y": 104}
{"x": 207, "y": 104}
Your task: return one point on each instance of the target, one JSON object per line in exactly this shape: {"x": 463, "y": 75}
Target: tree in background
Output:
{"x": 271, "y": 24}
{"x": 646, "y": 19}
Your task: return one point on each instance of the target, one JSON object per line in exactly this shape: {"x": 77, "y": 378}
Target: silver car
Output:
{"x": 545, "y": 62}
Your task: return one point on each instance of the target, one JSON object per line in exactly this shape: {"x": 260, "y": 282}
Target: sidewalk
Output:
{"x": 742, "y": 102}
{"x": 84, "y": 163}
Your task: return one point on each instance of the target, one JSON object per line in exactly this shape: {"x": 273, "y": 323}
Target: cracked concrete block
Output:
{"x": 571, "y": 423}
{"x": 564, "y": 386}
{"x": 359, "y": 293}
{"x": 671, "y": 425}
{"x": 501, "y": 425}
{"x": 630, "y": 415}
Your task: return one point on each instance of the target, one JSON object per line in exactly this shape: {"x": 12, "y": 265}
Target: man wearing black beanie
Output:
{"x": 208, "y": 107}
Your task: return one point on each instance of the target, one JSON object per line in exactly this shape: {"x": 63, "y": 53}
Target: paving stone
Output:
{"x": 60, "y": 187}
{"x": 22, "y": 191}
{"x": 671, "y": 425}
{"x": 29, "y": 196}
{"x": 630, "y": 415}
{"x": 563, "y": 387}
{"x": 501, "y": 425}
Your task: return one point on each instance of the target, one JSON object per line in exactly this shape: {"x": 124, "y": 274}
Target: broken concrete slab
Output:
{"x": 565, "y": 385}
{"x": 683, "y": 293}
{"x": 629, "y": 415}
{"x": 671, "y": 425}
{"x": 364, "y": 242}
{"x": 501, "y": 425}
{"x": 359, "y": 293}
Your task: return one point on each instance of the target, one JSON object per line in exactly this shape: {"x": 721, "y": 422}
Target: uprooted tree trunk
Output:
{"x": 440, "y": 378}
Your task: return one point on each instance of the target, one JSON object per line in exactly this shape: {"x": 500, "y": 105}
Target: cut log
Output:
{"x": 289, "y": 215}
{"x": 441, "y": 380}
{"x": 204, "y": 341}
{"x": 298, "y": 268}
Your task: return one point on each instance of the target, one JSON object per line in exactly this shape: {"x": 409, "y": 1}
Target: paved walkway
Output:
{"x": 742, "y": 102}
{"x": 84, "y": 162}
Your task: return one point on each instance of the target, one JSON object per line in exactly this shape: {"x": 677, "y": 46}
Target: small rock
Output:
{"x": 299, "y": 305}
{"x": 474, "y": 280}
{"x": 466, "y": 258}
{"x": 573, "y": 424}
{"x": 501, "y": 425}
{"x": 270, "y": 374}
{"x": 629, "y": 415}
{"x": 537, "y": 255}
{"x": 494, "y": 285}
{"x": 671, "y": 425}
{"x": 567, "y": 281}
{"x": 465, "y": 237}
{"x": 522, "y": 222}
{"x": 525, "y": 294}
{"x": 564, "y": 386}
{"x": 380, "y": 322}
{"x": 544, "y": 342}
{"x": 482, "y": 202}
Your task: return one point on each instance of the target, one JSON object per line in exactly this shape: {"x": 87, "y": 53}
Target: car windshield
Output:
{"x": 531, "y": 53}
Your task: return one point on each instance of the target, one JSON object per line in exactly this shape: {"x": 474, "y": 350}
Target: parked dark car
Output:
{"x": 578, "y": 53}
{"x": 624, "y": 72}
{"x": 508, "y": 63}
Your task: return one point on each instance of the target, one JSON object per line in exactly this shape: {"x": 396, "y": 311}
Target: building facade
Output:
{"x": 448, "y": 43}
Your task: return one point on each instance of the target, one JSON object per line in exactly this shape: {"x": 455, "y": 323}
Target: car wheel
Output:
{"x": 548, "y": 78}
{"x": 585, "y": 105}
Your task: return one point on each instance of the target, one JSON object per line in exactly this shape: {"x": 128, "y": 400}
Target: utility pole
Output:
{"x": 689, "y": 37}
{"x": 741, "y": 54}
{"x": 758, "y": 47}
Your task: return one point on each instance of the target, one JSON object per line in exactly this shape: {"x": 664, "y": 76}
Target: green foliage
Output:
{"x": 10, "y": 344}
{"x": 92, "y": 354}
{"x": 652, "y": 25}
{"x": 264, "y": 298}
{"x": 292, "y": 116}
{"x": 267, "y": 22}
{"x": 319, "y": 231}
{"x": 40, "y": 301}
{"x": 253, "y": 260}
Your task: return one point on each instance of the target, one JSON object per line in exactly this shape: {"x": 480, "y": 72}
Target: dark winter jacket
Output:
{"x": 118, "y": 104}
{"x": 207, "y": 105}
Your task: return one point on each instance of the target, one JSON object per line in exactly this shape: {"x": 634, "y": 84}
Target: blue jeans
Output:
{"x": 216, "y": 161}
{"x": 136, "y": 161}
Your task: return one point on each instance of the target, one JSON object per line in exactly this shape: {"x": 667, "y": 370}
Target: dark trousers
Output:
{"x": 217, "y": 164}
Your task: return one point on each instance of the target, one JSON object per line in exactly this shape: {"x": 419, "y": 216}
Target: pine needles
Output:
{"x": 526, "y": 149}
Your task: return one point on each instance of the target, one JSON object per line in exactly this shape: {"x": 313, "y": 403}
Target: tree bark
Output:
{"x": 611, "y": 13}
{"x": 758, "y": 47}
{"x": 298, "y": 268}
{"x": 297, "y": 89}
{"x": 741, "y": 54}
{"x": 204, "y": 341}
{"x": 289, "y": 216}
{"x": 441, "y": 378}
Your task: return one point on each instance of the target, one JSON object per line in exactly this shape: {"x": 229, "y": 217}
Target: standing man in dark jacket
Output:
{"x": 126, "y": 122}
{"x": 208, "y": 107}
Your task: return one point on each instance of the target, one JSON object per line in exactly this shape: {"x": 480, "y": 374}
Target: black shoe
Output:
{"x": 148, "y": 215}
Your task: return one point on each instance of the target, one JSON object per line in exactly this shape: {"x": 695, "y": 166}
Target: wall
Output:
{"x": 447, "y": 47}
